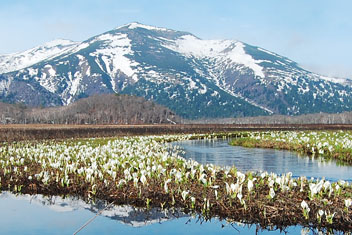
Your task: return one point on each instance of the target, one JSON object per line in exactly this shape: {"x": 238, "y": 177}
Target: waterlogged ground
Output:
{"x": 143, "y": 171}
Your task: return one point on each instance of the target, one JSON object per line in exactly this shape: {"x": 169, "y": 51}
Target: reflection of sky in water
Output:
{"x": 219, "y": 152}
{"x": 22, "y": 216}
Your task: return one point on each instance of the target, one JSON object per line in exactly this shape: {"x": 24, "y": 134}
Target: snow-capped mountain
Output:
{"x": 193, "y": 77}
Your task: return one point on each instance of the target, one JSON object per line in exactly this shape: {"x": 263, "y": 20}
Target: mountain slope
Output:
{"x": 193, "y": 77}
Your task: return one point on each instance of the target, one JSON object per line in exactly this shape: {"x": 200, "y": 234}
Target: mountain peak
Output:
{"x": 135, "y": 25}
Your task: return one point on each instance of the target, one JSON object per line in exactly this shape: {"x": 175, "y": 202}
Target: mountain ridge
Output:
{"x": 195, "y": 78}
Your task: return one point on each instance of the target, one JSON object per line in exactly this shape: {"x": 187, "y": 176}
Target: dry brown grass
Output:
{"x": 17, "y": 132}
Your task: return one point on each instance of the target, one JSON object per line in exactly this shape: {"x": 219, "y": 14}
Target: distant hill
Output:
{"x": 194, "y": 78}
{"x": 98, "y": 109}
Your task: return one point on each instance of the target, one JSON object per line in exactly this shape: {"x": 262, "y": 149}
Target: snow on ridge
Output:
{"x": 138, "y": 25}
{"x": 220, "y": 49}
{"x": 135, "y": 25}
{"x": 60, "y": 42}
{"x": 17, "y": 61}
{"x": 268, "y": 52}
{"x": 276, "y": 55}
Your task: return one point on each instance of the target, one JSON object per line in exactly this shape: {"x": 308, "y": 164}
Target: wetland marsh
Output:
{"x": 145, "y": 172}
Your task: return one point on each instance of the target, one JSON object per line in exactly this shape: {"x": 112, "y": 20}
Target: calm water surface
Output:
{"x": 39, "y": 215}
{"x": 219, "y": 152}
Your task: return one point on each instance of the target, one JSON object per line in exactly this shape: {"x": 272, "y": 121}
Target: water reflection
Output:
{"x": 135, "y": 217}
{"x": 26, "y": 214}
{"x": 219, "y": 152}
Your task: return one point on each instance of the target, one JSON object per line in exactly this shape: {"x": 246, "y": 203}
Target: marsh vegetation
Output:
{"x": 145, "y": 172}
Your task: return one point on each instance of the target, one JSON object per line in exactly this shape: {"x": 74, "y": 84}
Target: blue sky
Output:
{"x": 315, "y": 33}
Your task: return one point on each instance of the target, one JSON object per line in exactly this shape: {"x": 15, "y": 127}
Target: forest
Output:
{"x": 99, "y": 109}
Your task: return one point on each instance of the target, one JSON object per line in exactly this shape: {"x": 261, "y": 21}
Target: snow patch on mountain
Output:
{"x": 192, "y": 46}
{"x": 113, "y": 52}
{"x": 75, "y": 82}
{"x": 32, "y": 72}
{"x": 259, "y": 106}
{"x": 49, "y": 83}
{"x": 5, "y": 85}
{"x": 238, "y": 55}
{"x": 50, "y": 70}
{"x": 203, "y": 89}
{"x": 191, "y": 84}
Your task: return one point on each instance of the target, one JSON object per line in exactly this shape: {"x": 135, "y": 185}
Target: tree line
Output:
{"x": 99, "y": 109}
{"x": 316, "y": 118}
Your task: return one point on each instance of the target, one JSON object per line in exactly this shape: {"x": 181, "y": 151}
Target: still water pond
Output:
{"x": 39, "y": 215}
